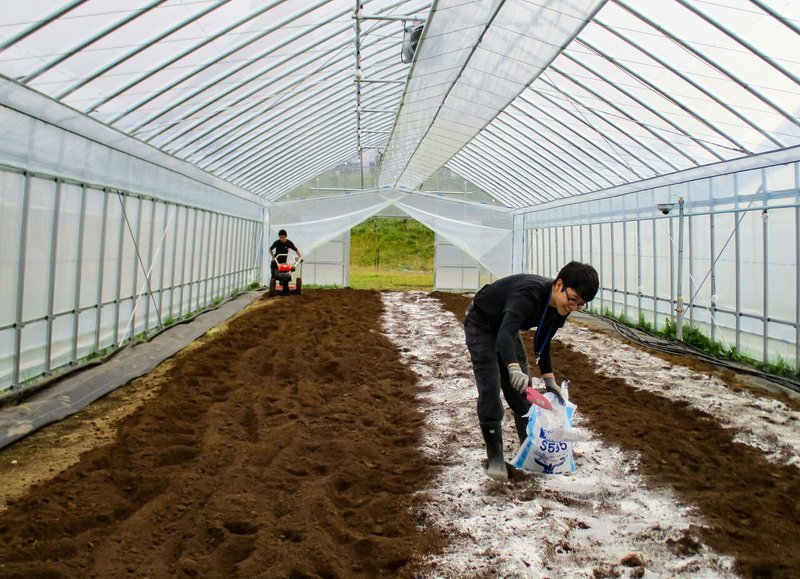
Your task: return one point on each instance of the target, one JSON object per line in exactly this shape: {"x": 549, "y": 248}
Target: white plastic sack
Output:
{"x": 548, "y": 448}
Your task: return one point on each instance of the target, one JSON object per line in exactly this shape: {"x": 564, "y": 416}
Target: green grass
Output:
{"x": 391, "y": 253}
{"x": 392, "y": 244}
{"x": 369, "y": 278}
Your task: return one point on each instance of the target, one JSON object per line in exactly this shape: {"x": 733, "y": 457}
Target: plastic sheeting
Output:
{"x": 267, "y": 95}
{"x": 728, "y": 245}
{"x": 474, "y": 59}
{"x": 39, "y": 135}
{"x": 481, "y": 231}
{"x": 310, "y": 223}
{"x": 478, "y": 231}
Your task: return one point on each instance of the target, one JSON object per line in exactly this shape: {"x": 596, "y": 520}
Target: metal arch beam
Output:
{"x": 28, "y": 78}
{"x": 285, "y": 150}
{"x": 244, "y": 113}
{"x": 548, "y": 188}
{"x": 270, "y": 148}
{"x": 594, "y": 130}
{"x": 627, "y": 116}
{"x": 544, "y": 138}
{"x": 529, "y": 170}
{"x": 263, "y": 143}
{"x": 338, "y": 152}
{"x": 316, "y": 42}
{"x": 654, "y": 112}
{"x": 291, "y": 180}
{"x": 606, "y": 119}
{"x": 289, "y": 151}
{"x": 112, "y": 65}
{"x": 492, "y": 183}
{"x": 571, "y": 141}
{"x": 738, "y": 147}
{"x": 510, "y": 129}
{"x": 242, "y": 121}
{"x": 711, "y": 63}
{"x": 511, "y": 179}
{"x": 196, "y": 108}
{"x": 245, "y": 153}
{"x": 295, "y": 151}
{"x": 250, "y": 93}
{"x": 753, "y": 49}
{"x": 261, "y": 86}
{"x": 178, "y": 57}
{"x": 39, "y": 24}
{"x": 301, "y": 174}
{"x": 298, "y": 173}
{"x": 510, "y": 134}
{"x": 225, "y": 133}
{"x": 221, "y": 57}
{"x": 785, "y": 21}
{"x": 487, "y": 181}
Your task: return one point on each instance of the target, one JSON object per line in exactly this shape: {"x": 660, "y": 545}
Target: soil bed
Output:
{"x": 286, "y": 444}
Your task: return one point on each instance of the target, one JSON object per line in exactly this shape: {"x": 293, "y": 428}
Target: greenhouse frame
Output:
{"x": 152, "y": 149}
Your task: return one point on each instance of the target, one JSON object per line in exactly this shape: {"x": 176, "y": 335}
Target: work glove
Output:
{"x": 551, "y": 386}
{"x": 519, "y": 380}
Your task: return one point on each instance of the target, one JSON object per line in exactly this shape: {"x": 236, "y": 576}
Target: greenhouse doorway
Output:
{"x": 395, "y": 253}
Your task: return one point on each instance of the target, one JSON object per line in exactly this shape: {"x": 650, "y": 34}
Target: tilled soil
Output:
{"x": 286, "y": 445}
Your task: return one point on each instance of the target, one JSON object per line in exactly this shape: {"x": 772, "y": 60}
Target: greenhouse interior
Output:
{"x": 152, "y": 150}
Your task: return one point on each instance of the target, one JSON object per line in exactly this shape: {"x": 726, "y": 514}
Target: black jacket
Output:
{"x": 520, "y": 302}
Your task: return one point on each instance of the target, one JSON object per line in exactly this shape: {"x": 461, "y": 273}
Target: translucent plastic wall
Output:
{"x": 105, "y": 239}
{"x": 483, "y": 232}
{"x": 738, "y": 266}
{"x": 84, "y": 270}
{"x": 456, "y": 271}
{"x": 327, "y": 265}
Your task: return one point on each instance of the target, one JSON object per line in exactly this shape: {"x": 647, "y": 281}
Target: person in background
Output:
{"x": 281, "y": 247}
{"x": 497, "y": 314}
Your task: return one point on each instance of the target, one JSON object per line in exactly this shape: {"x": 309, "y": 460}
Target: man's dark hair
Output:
{"x": 581, "y": 277}
{"x": 283, "y": 232}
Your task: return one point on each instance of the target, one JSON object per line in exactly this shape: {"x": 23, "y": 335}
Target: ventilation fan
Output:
{"x": 411, "y": 36}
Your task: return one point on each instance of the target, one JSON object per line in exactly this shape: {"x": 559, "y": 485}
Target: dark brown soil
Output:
{"x": 283, "y": 447}
{"x": 287, "y": 446}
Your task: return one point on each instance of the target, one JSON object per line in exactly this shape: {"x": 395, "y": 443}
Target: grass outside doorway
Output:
{"x": 369, "y": 278}
{"x": 391, "y": 253}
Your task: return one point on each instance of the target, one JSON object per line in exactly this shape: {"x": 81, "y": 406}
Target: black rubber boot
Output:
{"x": 521, "y": 424}
{"x": 493, "y": 437}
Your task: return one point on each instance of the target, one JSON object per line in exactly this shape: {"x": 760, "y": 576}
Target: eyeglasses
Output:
{"x": 574, "y": 301}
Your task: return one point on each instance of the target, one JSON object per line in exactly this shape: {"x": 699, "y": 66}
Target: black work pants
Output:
{"x": 491, "y": 373}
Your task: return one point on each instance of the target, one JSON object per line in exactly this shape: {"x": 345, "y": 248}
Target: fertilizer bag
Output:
{"x": 548, "y": 448}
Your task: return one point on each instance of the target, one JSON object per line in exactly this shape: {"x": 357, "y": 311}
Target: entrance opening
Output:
{"x": 391, "y": 253}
